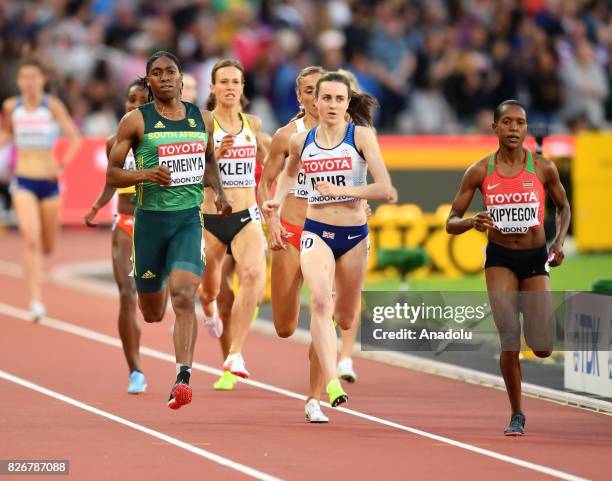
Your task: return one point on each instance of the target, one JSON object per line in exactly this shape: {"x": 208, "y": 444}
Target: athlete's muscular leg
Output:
{"x": 503, "y": 286}
{"x": 538, "y": 314}
{"x": 211, "y": 281}
{"x": 183, "y": 286}
{"x": 286, "y": 288}
{"x": 27, "y": 214}
{"x": 153, "y": 304}
{"x": 248, "y": 250}
{"x": 225, "y": 301}
{"x": 348, "y": 338}
{"x": 350, "y": 275}
{"x": 129, "y": 327}
{"x": 50, "y": 223}
{"x": 318, "y": 266}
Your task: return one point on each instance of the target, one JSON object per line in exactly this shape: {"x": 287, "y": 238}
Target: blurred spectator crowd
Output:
{"x": 436, "y": 66}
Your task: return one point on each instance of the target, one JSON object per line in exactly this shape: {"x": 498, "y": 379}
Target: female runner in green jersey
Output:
{"x": 172, "y": 147}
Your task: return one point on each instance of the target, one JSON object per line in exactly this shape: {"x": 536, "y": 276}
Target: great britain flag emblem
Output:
{"x": 328, "y": 235}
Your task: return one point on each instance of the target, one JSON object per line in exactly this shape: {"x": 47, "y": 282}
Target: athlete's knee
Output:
{"x": 250, "y": 276}
{"x": 320, "y": 303}
{"x": 344, "y": 317}
{"x": 182, "y": 297}
{"x": 32, "y": 243}
{"x": 47, "y": 248}
{"x": 152, "y": 315}
{"x": 284, "y": 331}
{"x": 542, "y": 354}
{"x": 127, "y": 295}
{"x": 225, "y": 309}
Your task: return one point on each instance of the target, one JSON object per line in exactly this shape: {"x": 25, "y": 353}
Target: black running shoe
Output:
{"x": 516, "y": 426}
{"x": 181, "y": 392}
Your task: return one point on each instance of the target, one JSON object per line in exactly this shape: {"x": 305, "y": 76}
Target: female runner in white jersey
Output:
{"x": 335, "y": 157}
{"x": 123, "y": 232}
{"x": 286, "y": 279}
{"x": 235, "y": 136}
{"x": 32, "y": 119}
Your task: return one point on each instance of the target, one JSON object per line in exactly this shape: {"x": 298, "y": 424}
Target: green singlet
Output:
{"x": 181, "y": 146}
{"x": 168, "y": 226}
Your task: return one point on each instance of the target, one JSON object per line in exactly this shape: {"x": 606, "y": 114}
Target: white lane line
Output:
{"x": 105, "y": 339}
{"x": 254, "y": 473}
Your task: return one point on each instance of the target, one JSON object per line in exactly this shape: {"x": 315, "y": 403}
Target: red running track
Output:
{"x": 400, "y": 424}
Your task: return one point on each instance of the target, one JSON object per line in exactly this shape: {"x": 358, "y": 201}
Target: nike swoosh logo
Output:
{"x": 351, "y": 237}
{"x": 491, "y": 187}
{"x": 244, "y": 219}
{"x": 310, "y": 154}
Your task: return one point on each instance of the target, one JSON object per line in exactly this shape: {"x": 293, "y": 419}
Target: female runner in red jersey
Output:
{"x": 514, "y": 183}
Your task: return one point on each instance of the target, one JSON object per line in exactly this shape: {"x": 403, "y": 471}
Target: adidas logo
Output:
{"x": 159, "y": 125}
{"x": 148, "y": 275}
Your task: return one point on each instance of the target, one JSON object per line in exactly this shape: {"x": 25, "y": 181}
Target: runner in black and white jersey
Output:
{"x": 236, "y": 143}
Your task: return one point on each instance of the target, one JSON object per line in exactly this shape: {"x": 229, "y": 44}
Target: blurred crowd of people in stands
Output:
{"x": 436, "y": 66}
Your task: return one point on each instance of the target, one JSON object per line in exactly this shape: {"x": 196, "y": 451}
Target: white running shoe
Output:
{"x": 345, "y": 370}
{"x": 313, "y": 412}
{"x": 37, "y": 310}
{"x": 213, "y": 324}
{"x": 235, "y": 364}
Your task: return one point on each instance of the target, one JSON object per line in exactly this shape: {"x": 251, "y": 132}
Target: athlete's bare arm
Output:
{"x": 212, "y": 176}
{"x": 555, "y": 189}
{"x": 7, "y": 111}
{"x": 472, "y": 180}
{"x": 262, "y": 145}
{"x": 61, "y": 115}
{"x": 129, "y": 132}
{"x": 289, "y": 174}
{"x": 107, "y": 191}
{"x": 273, "y": 165}
{"x": 381, "y": 188}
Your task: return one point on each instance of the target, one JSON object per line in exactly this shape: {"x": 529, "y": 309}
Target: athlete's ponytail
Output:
{"x": 361, "y": 105}
{"x": 211, "y": 101}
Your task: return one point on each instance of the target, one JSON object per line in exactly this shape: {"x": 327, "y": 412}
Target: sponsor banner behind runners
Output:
{"x": 82, "y": 180}
{"x": 588, "y": 367}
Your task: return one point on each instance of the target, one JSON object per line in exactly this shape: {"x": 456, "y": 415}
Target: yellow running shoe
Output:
{"x": 226, "y": 382}
{"x": 336, "y": 394}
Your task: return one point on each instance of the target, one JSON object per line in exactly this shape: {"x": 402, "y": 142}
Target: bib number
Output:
{"x": 185, "y": 161}
{"x": 307, "y": 241}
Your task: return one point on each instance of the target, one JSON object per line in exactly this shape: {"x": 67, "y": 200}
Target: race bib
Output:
{"x": 514, "y": 218}
{"x": 300, "y": 189}
{"x": 255, "y": 214}
{"x": 337, "y": 171}
{"x": 307, "y": 241}
{"x": 185, "y": 160}
{"x": 237, "y": 167}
